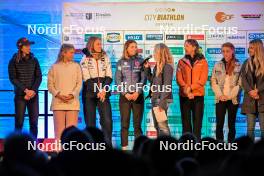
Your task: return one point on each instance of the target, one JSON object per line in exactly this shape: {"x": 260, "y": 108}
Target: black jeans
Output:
{"x": 192, "y": 115}
{"x": 105, "y": 112}
{"x": 32, "y": 106}
{"x": 221, "y": 109}
{"x": 125, "y": 107}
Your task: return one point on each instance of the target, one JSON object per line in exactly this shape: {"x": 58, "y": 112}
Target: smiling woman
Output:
{"x": 25, "y": 74}
{"x": 64, "y": 83}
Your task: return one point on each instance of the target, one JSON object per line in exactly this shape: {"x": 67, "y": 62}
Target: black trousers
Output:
{"x": 192, "y": 115}
{"x": 221, "y": 109}
{"x": 104, "y": 108}
{"x": 125, "y": 107}
{"x": 32, "y": 106}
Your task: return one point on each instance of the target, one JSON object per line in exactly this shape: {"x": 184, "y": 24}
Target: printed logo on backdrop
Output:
{"x": 215, "y": 37}
{"x": 238, "y": 50}
{"x": 113, "y": 37}
{"x": 195, "y": 37}
{"x": 176, "y": 50}
{"x": 252, "y": 36}
{"x": 174, "y": 37}
{"x": 240, "y": 38}
{"x": 76, "y": 16}
{"x": 154, "y": 36}
{"x": 97, "y": 15}
{"x": 73, "y": 39}
{"x": 137, "y": 37}
{"x": 214, "y": 50}
{"x": 221, "y": 17}
{"x": 236, "y": 37}
{"x": 87, "y": 36}
{"x": 252, "y": 16}
{"x": 160, "y": 16}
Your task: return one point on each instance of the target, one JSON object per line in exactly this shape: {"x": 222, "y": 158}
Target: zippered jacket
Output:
{"x": 130, "y": 75}
{"x": 194, "y": 76}
{"x": 96, "y": 72}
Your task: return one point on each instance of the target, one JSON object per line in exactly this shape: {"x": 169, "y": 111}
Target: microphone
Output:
{"x": 146, "y": 60}
{"x": 86, "y": 52}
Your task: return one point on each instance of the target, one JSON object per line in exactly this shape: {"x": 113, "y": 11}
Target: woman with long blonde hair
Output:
{"x": 253, "y": 84}
{"x": 97, "y": 77}
{"x": 161, "y": 87}
{"x": 64, "y": 83}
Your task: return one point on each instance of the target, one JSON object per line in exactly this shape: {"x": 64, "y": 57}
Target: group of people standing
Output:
{"x": 66, "y": 78}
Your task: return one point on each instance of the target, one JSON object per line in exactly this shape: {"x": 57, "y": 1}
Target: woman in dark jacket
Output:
{"x": 25, "y": 74}
{"x": 161, "y": 87}
{"x": 252, "y": 73}
{"x": 131, "y": 78}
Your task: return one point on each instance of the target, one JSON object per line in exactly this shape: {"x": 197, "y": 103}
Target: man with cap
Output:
{"x": 25, "y": 74}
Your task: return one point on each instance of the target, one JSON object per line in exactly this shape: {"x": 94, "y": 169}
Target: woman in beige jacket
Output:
{"x": 225, "y": 82}
{"x": 64, "y": 83}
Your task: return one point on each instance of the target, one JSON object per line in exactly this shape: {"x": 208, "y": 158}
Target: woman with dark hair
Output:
{"x": 131, "y": 77}
{"x": 25, "y": 74}
{"x": 225, "y": 84}
{"x": 252, "y": 73}
{"x": 191, "y": 75}
{"x": 64, "y": 83}
{"x": 97, "y": 76}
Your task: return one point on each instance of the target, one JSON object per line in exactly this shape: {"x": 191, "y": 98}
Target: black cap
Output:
{"x": 24, "y": 41}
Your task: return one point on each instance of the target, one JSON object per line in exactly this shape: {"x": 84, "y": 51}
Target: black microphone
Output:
{"x": 146, "y": 60}
{"x": 86, "y": 52}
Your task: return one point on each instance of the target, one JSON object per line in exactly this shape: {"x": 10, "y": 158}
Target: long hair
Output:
{"x": 125, "y": 54}
{"x": 64, "y": 48}
{"x": 163, "y": 56}
{"x": 90, "y": 44}
{"x": 258, "y": 60}
{"x": 231, "y": 65}
{"x": 19, "y": 55}
{"x": 194, "y": 43}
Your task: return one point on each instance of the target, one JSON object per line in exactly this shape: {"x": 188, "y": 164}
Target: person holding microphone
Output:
{"x": 161, "y": 87}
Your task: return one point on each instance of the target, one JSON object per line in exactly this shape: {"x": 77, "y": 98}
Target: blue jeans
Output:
{"x": 251, "y": 122}
{"x": 161, "y": 127}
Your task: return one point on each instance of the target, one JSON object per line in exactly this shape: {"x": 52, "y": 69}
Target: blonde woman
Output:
{"x": 97, "y": 76}
{"x": 64, "y": 83}
{"x": 130, "y": 76}
{"x": 161, "y": 87}
{"x": 253, "y": 84}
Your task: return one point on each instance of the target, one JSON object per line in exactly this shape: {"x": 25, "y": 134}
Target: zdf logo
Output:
{"x": 220, "y": 17}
